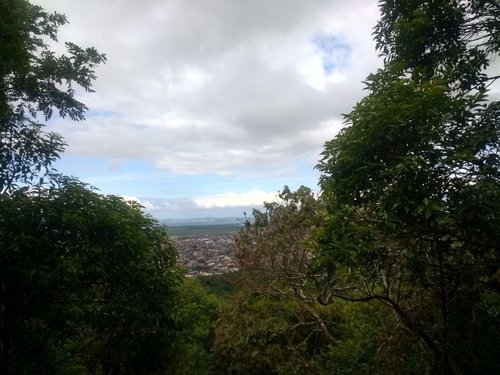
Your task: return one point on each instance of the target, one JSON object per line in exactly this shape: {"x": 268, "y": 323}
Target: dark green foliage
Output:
{"x": 369, "y": 345}
{"x": 223, "y": 285}
{"x": 27, "y": 153}
{"x": 88, "y": 282}
{"x": 259, "y": 334}
{"x": 440, "y": 37}
{"x": 412, "y": 184}
{"x": 274, "y": 323}
{"x": 35, "y": 81}
{"x": 196, "y": 314}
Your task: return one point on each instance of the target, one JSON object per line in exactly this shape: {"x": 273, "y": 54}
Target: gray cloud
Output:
{"x": 218, "y": 86}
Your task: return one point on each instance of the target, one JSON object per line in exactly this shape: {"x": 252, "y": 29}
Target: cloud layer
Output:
{"x": 253, "y": 198}
{"x": 233, "y": 88}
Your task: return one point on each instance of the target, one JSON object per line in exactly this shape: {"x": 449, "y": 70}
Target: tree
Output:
{"x": 260, "y": 334}
{"x": 35, "y": 82}
{"x": 274, "y": 254}
{"x": 88, "y": 283}
{"x": 284, "y": 325}
{"x": 196, "y": 314}
{"x": 412, "y": 183}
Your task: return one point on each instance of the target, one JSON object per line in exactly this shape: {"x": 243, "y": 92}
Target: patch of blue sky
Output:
{"x": 335, "y": 52}
{"x": 132, "y": 178}
{"x": 100, "y": 113}
{"x": 140, "y": 179}
{"x": 100, "y": 172}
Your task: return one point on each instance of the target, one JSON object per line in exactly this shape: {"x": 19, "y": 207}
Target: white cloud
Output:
{"x": 144, "y": 203}
{"x": 218, "y": 86}
{"x": 254, "y": 198}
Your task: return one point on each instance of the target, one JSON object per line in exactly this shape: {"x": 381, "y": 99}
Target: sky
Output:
{"x": 209, "y": 107}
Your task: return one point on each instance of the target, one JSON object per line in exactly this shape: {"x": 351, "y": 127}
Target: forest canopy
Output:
{"x": 88, "y": 283}
{"x": 392, "y": 267}
{"x": 412, "y": 183}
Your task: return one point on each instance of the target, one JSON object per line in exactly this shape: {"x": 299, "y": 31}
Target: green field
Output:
{"x": 186, "y": 231}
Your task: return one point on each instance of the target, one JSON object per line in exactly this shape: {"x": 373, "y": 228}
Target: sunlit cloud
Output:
{"x": 254, "y": 197}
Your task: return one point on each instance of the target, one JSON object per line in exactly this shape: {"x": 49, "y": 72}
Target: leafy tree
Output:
{"x": 35, "y": 82}
{"x": 274, "y": 324}
{"x": 274, "y": 255}
{"x": 260, "y": 334}
{"x": 88, "y": 283}
{"x": 412, "y": 183}
{"x": 220, "y": 285}
{"x": 196, "y": 314}
{"x": 369, "y": 344}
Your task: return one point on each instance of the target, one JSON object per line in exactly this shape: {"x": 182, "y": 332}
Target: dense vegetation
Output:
{"x": 393, "y": 268}
{"x": 88, "y": 283}
{"x": 411, "y": 184}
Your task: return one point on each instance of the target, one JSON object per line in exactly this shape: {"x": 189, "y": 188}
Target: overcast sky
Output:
{"x": 209, "y": 107}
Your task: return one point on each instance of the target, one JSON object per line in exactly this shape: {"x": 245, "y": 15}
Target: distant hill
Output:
{"x": 200, "y": 227}
{"x": 203, "y": 221}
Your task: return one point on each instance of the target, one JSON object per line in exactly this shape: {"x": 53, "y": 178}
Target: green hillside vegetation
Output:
{"x": 393, "y": 269}
{"x": 187, "y": 231}
{"x": 223, "y": 285}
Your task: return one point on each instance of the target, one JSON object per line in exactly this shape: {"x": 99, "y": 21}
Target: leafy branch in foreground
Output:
{"x": 412, "y": 183}
{"x": 35, "y": 81}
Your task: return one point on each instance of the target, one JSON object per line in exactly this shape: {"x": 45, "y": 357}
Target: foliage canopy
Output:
{"x": 34, "y": 82}
{"x": 412, "y": 183}
{"x": 88, "y": 283}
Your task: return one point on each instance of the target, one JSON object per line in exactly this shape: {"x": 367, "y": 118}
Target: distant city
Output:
{"x": 205, "y": 245}
{"x": 208, "y": 255}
